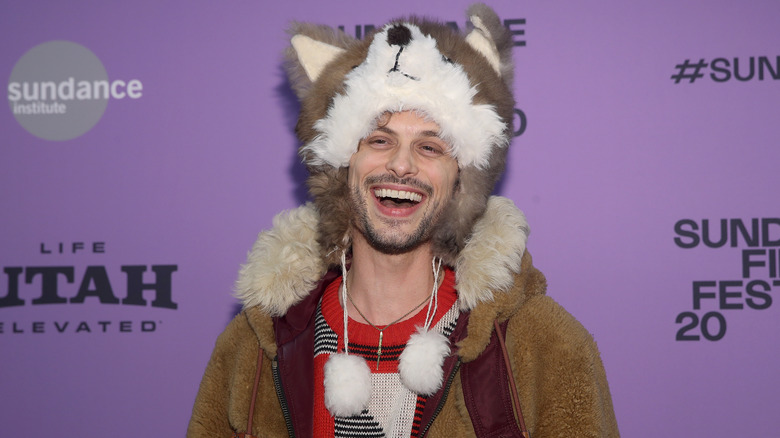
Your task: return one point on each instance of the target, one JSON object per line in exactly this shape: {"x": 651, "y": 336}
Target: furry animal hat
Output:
{"x": 460, "y": 81}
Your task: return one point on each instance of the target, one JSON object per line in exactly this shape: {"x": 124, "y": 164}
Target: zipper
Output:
{"x": 282, "y": 398}
{"x": 446, "y": 392}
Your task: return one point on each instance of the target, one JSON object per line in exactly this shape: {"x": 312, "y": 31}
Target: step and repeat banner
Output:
{"x": 145, "y": 144}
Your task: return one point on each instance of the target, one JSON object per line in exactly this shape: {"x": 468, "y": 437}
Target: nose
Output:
{"x": 402, "y": 162}
{"x": 399, "y": 35}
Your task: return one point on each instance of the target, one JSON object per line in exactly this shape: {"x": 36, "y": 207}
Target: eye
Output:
{"x": 432, "y": 149}
{"x": 378, "y": 141}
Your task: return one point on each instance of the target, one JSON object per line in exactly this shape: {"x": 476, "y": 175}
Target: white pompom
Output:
{"x": 420, "y": 365}
{"x": 347, "y": 384}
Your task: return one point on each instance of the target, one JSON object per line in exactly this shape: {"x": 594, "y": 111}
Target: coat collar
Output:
{"x": 284, "y": 263}
{"x": 494, "y": 274}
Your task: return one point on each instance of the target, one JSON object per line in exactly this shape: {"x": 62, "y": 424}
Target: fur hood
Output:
{"x": 460, "y": 80}
{"x": 285, "y": 262}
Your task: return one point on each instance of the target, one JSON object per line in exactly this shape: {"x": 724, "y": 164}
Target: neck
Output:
{"x": 386, "y": 286}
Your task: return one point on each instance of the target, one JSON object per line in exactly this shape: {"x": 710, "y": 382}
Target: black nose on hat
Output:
{"x": 399, "y": 35}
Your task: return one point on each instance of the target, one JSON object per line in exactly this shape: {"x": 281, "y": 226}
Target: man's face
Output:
{"x": 401, "y": 178}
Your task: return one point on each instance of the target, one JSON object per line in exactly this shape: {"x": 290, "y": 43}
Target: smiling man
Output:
{"x": 402, "y": 302}
{"x": 401, "y": 177}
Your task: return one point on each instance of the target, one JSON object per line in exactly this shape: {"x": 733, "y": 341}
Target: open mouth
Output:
{"x": 397, "y": 198}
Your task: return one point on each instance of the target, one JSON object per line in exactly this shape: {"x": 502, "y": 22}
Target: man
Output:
{"x": 402, "y": 301}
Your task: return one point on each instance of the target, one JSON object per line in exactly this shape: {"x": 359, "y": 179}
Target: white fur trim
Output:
{"x": 420, "y": 364}
{"x": 441, "y": 90}
{"x": 284, "y": 264}
{"x": 492, "y": 254}
{"x": 314, "y": 55}
{"x": 347, "y": 385}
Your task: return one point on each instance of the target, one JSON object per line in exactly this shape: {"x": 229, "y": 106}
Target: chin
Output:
{"x": 397, "y": 242}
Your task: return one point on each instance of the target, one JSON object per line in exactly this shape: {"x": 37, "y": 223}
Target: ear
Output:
{"x": 491, "y": 39}
{"x": 314, "y": 55}
{"x": 311, "y": 48}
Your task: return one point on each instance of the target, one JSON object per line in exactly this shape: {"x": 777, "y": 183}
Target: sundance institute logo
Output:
{"x": 59, "y": 90}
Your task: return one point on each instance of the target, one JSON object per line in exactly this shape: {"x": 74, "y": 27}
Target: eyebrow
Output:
{"x": 426, "y": 133}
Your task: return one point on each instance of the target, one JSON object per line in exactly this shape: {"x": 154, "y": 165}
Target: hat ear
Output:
{"x": 312, "y": 48}
{"x": 314, "y": 55}
{"x": 491, "y": 39}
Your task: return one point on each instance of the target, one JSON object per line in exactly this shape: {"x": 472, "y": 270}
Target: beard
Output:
{"x": 393, "y": 240}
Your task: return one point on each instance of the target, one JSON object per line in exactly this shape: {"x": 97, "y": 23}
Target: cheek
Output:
{"x": 363, "y": 164}
{"x": 449, "y": 176}
{"x": 351, "y": 175}
{"x": 353, "y": 169}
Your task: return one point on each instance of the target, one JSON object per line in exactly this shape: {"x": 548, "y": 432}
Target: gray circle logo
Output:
{"x": 58, "y": 90}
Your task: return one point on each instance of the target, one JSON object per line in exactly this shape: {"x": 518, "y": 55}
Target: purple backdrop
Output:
{"x": 644, "y": 126}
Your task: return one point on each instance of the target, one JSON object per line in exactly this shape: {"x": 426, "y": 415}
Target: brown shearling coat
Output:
{"x": 561, "y": 380}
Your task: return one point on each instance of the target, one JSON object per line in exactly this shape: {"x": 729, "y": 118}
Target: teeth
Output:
{"x": 397, "y": 194}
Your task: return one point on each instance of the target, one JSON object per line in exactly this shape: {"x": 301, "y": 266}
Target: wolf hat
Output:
{"x": 462, "y": 82}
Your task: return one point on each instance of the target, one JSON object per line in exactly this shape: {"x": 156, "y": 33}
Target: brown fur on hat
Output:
{"x": 319, "y": 64}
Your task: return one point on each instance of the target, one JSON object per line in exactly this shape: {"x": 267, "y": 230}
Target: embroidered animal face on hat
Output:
{"x": 462, "y": 82}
